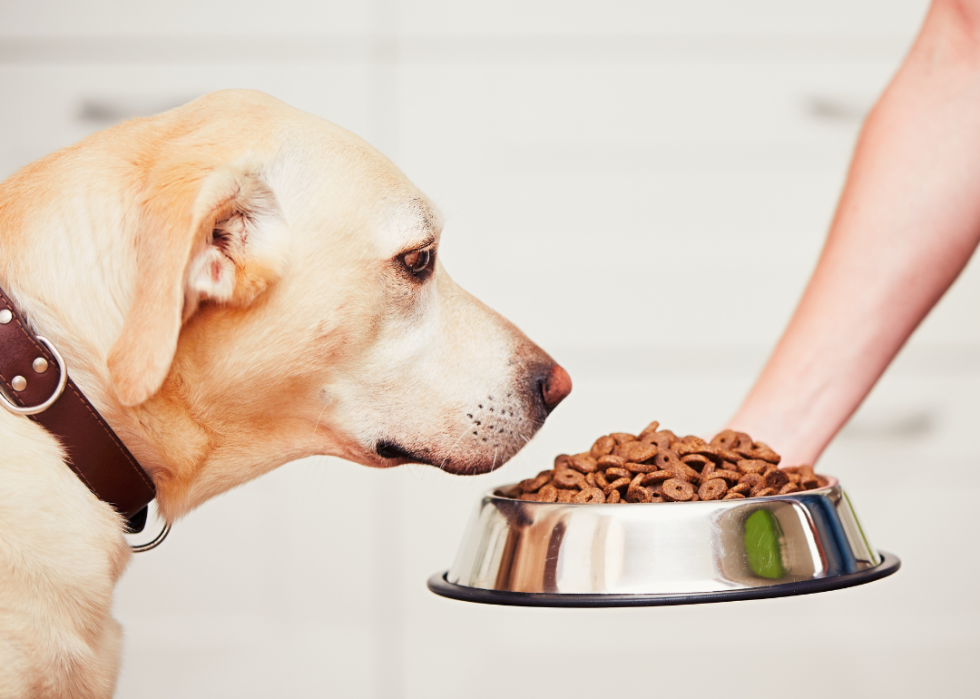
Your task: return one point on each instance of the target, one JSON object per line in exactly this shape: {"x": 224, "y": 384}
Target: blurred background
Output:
{"x": 643, "y": 187}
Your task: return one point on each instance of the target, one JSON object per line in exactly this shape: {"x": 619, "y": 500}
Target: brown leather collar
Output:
{"x": 30, "y": 374}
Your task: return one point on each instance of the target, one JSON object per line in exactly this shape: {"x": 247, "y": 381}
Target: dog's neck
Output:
{"x": 70, "y": 267}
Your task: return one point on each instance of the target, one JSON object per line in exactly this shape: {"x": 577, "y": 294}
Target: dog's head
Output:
{"x": 289, "y": 300}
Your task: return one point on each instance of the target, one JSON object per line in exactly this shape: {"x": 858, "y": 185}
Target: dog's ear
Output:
{"x": 206, "y": 235}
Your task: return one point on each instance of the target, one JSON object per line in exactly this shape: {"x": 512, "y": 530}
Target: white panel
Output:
{"x": 661, "y": 16}
{"x": 122, "y": 17}
{"x": 639, "y": 205}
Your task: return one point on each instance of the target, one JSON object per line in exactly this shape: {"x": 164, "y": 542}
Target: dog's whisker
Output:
{"x": 318, "y": 420}
{"x": 450, "y": 451}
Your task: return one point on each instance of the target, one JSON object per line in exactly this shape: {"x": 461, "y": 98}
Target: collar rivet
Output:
{"x": 5, "y": 316}
{"x": 40, "y": 365}
{"x": 18, "y": 383}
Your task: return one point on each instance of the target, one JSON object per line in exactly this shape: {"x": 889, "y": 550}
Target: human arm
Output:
{"x": 907, "y": 222}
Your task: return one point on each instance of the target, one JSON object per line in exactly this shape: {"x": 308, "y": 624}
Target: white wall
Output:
{"x": 643, "y": 188}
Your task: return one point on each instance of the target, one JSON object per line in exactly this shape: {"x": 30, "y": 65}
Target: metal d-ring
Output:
{"x": 152, "y": 544}
{"x": 40, "y": 408}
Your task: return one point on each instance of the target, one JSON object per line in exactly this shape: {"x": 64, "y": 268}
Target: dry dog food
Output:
{"x": 658, "y": 466}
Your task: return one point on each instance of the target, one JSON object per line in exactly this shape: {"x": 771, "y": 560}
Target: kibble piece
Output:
{"x": 742, "y": 441}
{"x": 661, "y": 441}
{"x": 640, "y": 468}
{"x": 677, "y": 490}
{"x": 657, "y": 477}
{"x": 751, "y": 479}
{"x": 724, "y": 439}
{"x": 590, "y": 479}
{"x": 730, "y": 477}
{"x": 729, "y": 466}
{"x": 638, "y": 494}
{"x": 688, "y": 472}
{"x": 731, "y": 495}
{"x": 652, "y": 427}
{"x": 623, "y": 437}
{"x": 683, "y": 448}
{"x": 657, "y": 498}
{"x": 614, "y": 472}
{"x": 709, "y": 451}
{"x": 638, "y": 452}
{"x": 695, "y": 498}
{"x": 561, "y": 459}
{"x": 529, "y": 485}
{"x": 763, "y": 492}
{"x": 682, "y": 475}
{"x": 530, "y": 497}
{"x": 766, "y": 454}
{"x": 565, "y": 495}
{"x": 713, "y": 489}
{"x": 611, "y": 460}
{"x": 696, "y": 461}
{"x": 808, "y": 479}
{"x": 600, "y": 479}
{"x": 602, "y": 447}
{"x": 785, "y": 490}
{"x": 729, "y": 456}
{"x": 583, "y": 463}
{"x": 613, "y": 496}
{"x": 585, "y": 495}
{"x": 549, "y": 493}
{"x": 616, "y": 485}
{"x": 568, "y": 478}
{"x": 637, "y": 484}
{"x": 761, "y": 454}
{"x": 718, "y": 454}
{"x": 751, "y": 465}
{"x": 741, "y": 488}
{"x": 665, "y": 459}
{"x": 769, "y": 456}
{"x": 776, "y": 479}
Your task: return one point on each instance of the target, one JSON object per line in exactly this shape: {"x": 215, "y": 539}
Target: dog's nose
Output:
{"x": 555, "y": 386}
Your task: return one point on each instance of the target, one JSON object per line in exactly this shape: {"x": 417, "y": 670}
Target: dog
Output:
{"x": 234, "y": 284}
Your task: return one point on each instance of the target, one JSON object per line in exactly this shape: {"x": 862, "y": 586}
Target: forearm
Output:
{"x": 907, "y": 223}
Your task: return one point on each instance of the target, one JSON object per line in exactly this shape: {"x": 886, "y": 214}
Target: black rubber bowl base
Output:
{"x": 439, "y": 585}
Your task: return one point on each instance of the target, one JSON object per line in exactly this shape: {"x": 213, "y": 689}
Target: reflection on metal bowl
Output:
{"x": 552, "y": 554}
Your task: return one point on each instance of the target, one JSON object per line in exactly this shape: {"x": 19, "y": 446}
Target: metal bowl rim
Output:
{"x": 440, "y": 585}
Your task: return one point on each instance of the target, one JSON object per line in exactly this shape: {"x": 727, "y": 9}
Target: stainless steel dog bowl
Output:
{"x": 552, "y": 554}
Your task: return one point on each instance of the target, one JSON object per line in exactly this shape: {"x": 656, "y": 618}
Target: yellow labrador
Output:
{"x": 234, "y": 284}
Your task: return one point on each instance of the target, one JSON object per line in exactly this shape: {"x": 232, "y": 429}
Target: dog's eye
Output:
{"x": 418, "y": 260}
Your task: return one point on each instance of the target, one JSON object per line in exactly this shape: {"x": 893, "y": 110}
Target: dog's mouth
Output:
{"x": 393, "y": 451}
{"x": 396, "y": 455}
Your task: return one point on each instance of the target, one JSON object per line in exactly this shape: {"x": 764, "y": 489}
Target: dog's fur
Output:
{"x": 228, "y": 284}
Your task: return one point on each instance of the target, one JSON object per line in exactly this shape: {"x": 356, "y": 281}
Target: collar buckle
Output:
{"x": 59, "y": 389}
